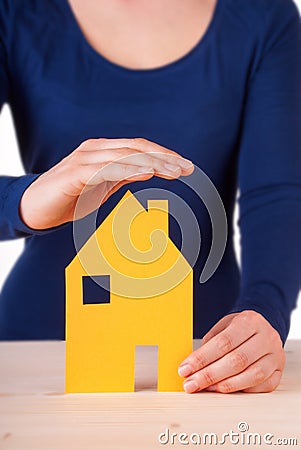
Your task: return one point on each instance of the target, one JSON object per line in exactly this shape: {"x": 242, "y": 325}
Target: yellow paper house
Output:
{"x": 142, "y": 295}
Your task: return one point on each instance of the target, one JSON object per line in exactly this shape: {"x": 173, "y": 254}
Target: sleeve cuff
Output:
{"x": 12, "y": 196}
{"x": 265, "y": 298}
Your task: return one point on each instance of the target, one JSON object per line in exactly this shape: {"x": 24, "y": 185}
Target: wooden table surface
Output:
{"x": 35, "y": 414}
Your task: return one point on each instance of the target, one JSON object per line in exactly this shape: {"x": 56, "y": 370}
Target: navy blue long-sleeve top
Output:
{"x": 232, "y": 105}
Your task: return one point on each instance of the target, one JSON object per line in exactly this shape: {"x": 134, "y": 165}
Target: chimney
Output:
{"x": 159, "y": 211}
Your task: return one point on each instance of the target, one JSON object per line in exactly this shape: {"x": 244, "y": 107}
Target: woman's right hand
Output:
{"x": 96, "y": 169}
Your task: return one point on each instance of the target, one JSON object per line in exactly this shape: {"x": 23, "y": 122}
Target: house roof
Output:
{"x": 132, "y": 245}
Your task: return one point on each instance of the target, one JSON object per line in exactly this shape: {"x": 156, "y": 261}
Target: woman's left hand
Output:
{"x": 242, "y": 352}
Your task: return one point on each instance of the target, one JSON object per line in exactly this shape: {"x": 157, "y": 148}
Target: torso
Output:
{"x": 65, "y": 93}
{"x": 143, "y": 34}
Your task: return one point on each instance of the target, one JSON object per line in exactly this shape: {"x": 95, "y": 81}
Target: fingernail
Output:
{"x": 172, "y": 168}
{"x": 185, "y": 370}
{"x": 190, "y": 386}
{"x": 185, "y": 163}
{"x": 145, "y": 169}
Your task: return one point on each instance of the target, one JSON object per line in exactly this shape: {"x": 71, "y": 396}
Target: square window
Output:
{"x": 96, "y": 290}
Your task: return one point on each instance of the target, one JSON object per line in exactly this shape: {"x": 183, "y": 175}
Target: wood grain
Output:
{"x": 36, "y": 414}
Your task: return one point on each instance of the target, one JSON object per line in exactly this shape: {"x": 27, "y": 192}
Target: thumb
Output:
{"x": 218, "y": 327}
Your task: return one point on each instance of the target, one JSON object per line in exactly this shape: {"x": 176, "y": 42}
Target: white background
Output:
{"x": 10, "y": 164}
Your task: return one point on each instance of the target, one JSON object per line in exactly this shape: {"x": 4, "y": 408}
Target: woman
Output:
{"x": 162, "y": 83}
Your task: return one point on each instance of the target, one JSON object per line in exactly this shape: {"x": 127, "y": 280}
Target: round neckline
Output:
{"x": 100, "y": 58}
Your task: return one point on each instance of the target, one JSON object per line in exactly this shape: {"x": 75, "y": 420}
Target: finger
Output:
{"x": 268, "y": 385}
{"x": 217, "y": 328}
{"x": 129, "y": 157}
{"x": 96, "y": 156}
{"x": 113, "y": 172}
{"x": 139, "y": 144}
{"x": 241, "y": 328}
{"x": 256, "y": 376}
{"x": 114, "y": 187}
{"x": 93, "y": 196}
{"x": 161, "y": 152}
{"x": 230, "y": 365}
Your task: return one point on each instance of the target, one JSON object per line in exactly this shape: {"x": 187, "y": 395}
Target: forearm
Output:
{"x": 11, "y": 189}
{"x": 270, "y": 225}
